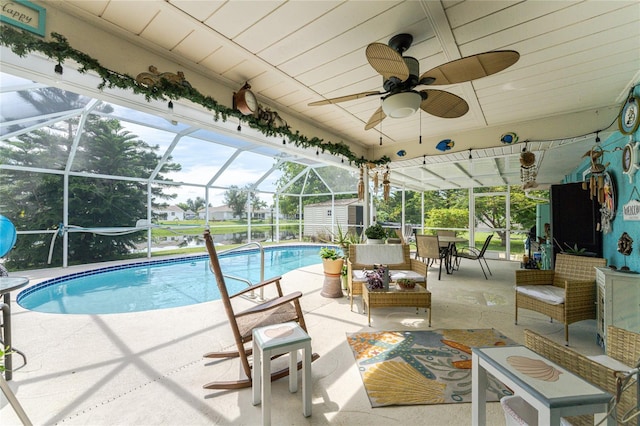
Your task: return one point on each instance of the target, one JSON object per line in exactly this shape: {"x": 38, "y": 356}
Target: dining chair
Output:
{"x": 277, "y": 310}
{"x": 475, "y": 254}
{"x": 428, "y": 247}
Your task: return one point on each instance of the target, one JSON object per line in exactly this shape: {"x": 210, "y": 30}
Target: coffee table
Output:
{"x": 418, "y": 297}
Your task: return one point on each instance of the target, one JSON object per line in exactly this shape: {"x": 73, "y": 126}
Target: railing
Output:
{"x": 245, "y": 280}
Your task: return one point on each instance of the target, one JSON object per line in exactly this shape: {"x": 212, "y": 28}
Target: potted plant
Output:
{"x": 375, "y": 234}
{"x": 406, "y": 283}
{"x": 332, "y": 260}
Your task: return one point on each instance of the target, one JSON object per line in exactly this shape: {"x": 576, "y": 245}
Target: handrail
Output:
{"x": 239, "y": 248}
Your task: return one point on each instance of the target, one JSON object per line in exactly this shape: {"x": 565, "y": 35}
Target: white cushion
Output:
{"x": 388, "y": 254}
{"x": 546, "y": 293}
{"x": 397, "y": 274}
{"x": 518, "y": 412}
{"x": 394, "y": 274}
{"x": 609, "y": 362}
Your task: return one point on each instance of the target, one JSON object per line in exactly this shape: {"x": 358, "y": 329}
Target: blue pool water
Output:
{"x": 159, "y": 284}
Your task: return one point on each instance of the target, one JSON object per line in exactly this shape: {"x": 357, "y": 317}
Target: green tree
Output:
{"x": 35, "y": 200}
{"x": 193, "y": 205}
{"x": 236, "y": 198}
{"x": 447, "y": 218}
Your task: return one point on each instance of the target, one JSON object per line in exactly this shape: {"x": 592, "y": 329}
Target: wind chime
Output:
{"x": 601, "y": 187}
{"x": 386, "y": 185}
{"x": 361, "y": 184}
{"x": 528, "y": 169}
{"x": 597, "y": 177}
{"x": 375, "y": 173}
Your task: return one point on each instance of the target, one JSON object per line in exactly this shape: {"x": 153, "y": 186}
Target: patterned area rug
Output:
{"x": 422, "y": 367}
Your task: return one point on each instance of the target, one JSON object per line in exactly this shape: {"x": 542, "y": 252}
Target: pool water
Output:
{"x": 159, "y": 284}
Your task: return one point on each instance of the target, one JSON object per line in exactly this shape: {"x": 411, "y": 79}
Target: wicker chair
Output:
{"x": 428, "y": 247}
{"x": 405, "y": 268}
{"x": 621, "y": 345}
{"x": 572, "y": 284}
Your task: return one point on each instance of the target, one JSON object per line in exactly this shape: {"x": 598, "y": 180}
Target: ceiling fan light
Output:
{"x": 401, "y": 105}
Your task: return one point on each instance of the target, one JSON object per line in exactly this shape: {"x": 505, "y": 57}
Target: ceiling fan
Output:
{"x": 400, "y": 78}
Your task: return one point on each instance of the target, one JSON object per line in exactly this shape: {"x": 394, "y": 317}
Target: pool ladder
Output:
{"x": 251, "y": 295}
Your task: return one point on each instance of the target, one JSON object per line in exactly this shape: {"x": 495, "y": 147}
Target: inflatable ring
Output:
{"x": 7, "y": 235}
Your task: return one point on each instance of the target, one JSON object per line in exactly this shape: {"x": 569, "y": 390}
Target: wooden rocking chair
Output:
{"x": 281, "y": 309}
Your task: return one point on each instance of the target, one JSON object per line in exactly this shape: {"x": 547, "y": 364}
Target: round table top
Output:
{"x": 8, "y": 284}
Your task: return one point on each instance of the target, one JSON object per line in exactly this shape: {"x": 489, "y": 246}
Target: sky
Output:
{"x": 200, "y": 159}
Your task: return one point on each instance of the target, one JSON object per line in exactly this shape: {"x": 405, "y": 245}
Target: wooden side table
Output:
{"x": 275, "y": 340}
{"x": 394, "y": 297}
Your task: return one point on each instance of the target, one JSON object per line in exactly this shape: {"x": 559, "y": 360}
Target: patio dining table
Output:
{"x": 450, "y": 249}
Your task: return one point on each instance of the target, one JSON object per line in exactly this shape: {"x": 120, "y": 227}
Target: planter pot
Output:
{"x": 332, "y": 266}
{"x": 332, "y": 286}
{"x": 374, "y": 241}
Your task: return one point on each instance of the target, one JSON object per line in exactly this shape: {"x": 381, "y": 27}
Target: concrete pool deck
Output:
{"x": 147, "y": 368}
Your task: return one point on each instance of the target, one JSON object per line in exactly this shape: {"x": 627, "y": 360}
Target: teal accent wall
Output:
{"x": 613, "y": 155}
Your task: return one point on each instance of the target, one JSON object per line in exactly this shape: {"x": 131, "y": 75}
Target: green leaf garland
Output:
{"x": 22, "y": 43}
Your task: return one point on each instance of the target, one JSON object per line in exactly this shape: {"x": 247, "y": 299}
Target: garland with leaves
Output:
{"x": 21, "y": 43}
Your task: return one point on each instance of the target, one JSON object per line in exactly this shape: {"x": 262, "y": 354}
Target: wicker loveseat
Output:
{"x": 566, "y": 294}
{"x": 621, "y": 345}
{"x": 395, "y": 256}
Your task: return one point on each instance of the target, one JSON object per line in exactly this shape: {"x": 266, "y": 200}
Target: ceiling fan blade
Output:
{"x": 375, "y": 119}
{"x": 444, "y": 104}
{"x": 472, "y": 67}
{"x": 387, "y": 61}
{"x": 345, "y": 98}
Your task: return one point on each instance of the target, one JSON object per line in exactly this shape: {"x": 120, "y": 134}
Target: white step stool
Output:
{"x": 275, "y": 340}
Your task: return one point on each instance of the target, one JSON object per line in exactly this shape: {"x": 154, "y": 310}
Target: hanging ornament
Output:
{"x": 528, "y": 169}
{"x": 361, "y": 184}
{"x": 509, "y": 138}
{"x": 386, "y": 185}
{"x": 445, "y": 145}
{"x": 375, "y": 182}
{"x": 625, "y": 247}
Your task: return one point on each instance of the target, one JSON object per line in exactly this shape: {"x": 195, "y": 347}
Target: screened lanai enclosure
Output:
{"x": 88, "y": 180}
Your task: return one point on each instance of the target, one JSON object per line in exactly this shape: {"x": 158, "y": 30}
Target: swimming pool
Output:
{"x": 159, "y": 284}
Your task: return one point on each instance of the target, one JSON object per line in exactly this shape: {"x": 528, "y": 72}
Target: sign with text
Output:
{"x": 23, "y": 14}
{"x": 631, "y": 210}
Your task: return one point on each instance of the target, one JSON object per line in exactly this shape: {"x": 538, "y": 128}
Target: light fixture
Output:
{"x": 420, "y": 138}
{"x": 284, "y": 142}
{"x": 400, "y": 105}
{"x": 598, "y": 136}
{"x": 170, "y": 105}
{"x": 470, "y": 156}
{"x": 58, "y": 68}
{"x": 381, "y": 131}
{"x": 239, "y": 127}
{"x": 424, "y": 160}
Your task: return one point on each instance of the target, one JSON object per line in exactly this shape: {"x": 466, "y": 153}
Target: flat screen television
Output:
{"x": 575, "y": 219}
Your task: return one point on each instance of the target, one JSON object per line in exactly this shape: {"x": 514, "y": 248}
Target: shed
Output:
{"x": 319, "y": 219}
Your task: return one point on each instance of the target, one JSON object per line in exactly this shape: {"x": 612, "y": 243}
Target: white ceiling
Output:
{"x": 578, "y": 61}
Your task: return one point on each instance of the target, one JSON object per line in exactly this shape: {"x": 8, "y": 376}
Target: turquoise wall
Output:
{"x": 623, "y": 194}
